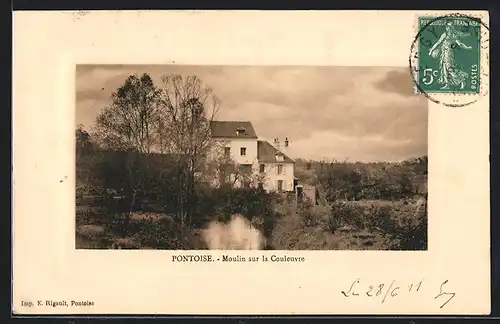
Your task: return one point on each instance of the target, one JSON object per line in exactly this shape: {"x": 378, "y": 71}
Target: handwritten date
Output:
{"x": 386, "y": 290}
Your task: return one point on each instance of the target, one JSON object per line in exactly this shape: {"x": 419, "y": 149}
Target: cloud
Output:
{"x": 399, "y": 82}
{"x": 93, "y": 79}
{"x": 87, "y": 111}
{"x": 355, "y": 112}
{"x": 330, "y": 145}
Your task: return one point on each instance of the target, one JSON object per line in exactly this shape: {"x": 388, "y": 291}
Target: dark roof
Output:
{"x": 230, "y": 128}
{"x": 266, "y": 153}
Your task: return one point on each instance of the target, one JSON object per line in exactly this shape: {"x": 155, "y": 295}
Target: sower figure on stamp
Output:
{"x": 449, "y": 74}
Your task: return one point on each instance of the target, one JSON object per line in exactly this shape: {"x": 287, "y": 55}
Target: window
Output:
{"x": 279, "y": 157}
{"x": 243, "y": 151}
{"x": 227, "y": 151}
{"x": 261, "y": 168}
{"x": 280, "y": 168}
{"x": 246, "y": 169}
{"x": 280, "y": 185}
{"x": 240, "y": 131}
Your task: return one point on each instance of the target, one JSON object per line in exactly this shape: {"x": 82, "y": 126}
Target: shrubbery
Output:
{"x": 130, "y": 183}
{"x": 410, "y": 233}
{"x": 164, "y": 235}
{"x": 352, "y": 225}
{"x": 366, "y": 181}
{"x": 127, "y": 183}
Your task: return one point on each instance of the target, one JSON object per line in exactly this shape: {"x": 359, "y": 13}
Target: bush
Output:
{"x": 305, "y": 210}
{"x": 410, "y": 233}
{"x": 381, "y": 218}
{"x": 333, "y": 223}
{"x": 346, "y": 213}
{"x": 411, "y": 236}
{"x": 163, "y": 235}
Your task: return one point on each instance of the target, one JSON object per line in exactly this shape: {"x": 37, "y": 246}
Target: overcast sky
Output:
{"x": 354, "y": 113}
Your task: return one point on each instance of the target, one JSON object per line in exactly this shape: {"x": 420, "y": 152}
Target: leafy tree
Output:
{"x": 131, "y": 121}
{"x": 129, "y": 127}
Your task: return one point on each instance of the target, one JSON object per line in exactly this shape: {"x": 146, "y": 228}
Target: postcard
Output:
{"x": 251, "y": 163}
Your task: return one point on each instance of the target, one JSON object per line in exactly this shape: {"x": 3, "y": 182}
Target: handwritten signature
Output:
{"x": 443, "y": 293}
{"x": 393, "y": 290}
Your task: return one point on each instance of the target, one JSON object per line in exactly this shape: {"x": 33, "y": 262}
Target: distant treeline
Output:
{"x": 358, "y": 181}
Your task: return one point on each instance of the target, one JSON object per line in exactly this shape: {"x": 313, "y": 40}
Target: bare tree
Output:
{"x": 220, "y": 166}
{"x": 187, "y": 107}
{"x": 222, "y": 169}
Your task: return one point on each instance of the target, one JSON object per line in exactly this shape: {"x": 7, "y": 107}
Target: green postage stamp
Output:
{"x": 448, "y": 55}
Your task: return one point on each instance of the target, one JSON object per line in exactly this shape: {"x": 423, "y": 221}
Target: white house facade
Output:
{"x": 276, "y": 168}
{"x": 258, "y": 163}
{"x": 241, "y": 150}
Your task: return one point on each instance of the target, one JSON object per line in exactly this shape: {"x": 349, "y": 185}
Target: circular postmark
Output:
{"x": 449, "y": 59}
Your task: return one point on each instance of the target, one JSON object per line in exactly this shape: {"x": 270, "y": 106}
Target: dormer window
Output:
{"x": 240, "y": 131}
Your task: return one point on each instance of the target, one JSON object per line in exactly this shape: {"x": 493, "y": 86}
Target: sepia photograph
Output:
{"x": 179, "y": 157}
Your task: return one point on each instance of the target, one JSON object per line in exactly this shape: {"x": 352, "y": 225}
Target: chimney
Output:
{"x": 277, "y": 143}
{"x": 286, "y": 147}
